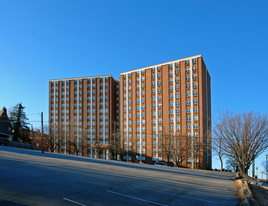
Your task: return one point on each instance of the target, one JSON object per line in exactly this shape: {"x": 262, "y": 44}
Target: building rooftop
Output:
{"x": 156, "y": 65}
{"x": 77, "y": 78}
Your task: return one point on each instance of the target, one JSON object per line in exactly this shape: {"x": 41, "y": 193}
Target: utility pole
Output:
{"x": 32, "y": 137}
{"x": 42, "y": 133}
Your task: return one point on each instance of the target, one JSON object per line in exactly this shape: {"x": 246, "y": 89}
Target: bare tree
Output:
{"x": 244, "y": 137}
{"x": 168, "y": 145}
{"x": 176, "y": 148}
{"x": 217, "y": 148}
{"x": 179, "y": 153}
{"x": 231, "y": 165}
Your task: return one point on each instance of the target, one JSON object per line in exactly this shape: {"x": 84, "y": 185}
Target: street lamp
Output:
{"x": 266, "y": 167}
{"x": 257, "y": 173}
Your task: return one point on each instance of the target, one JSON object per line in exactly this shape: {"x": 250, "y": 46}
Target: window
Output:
{"x": 195, "y": 101}
{"x": 177, "y": 111}
{"x": 187, "y": 86}
{"x": 195, "y": 117}
{"x": 195, "y": 109}
{"x": 171, "y": 120}
{"x": 195, "y": 126}
{"x": 194, "y": 76}
{"x": 194, "y": 60}
{"x": 188, "y": 94}
{"x": 188, "y": 110}
{"x": 178, "y": 127}
{"x": 177, "y": 103}
{"x": 171, "y": 127}
{"x": 187, "y": 61}
{"x": 195, "y": 84}
{"x": 195, "y": 93}
{"x": 171, "y": 111}
{"x": 177, "y": 79}
{"x": 177, "y": 119}
{"x": 177, "y": 95}
{"x": 170, "y": 88}
{"x": 188, "y": 102}
{"x": 171, "y": 96}
{"x": 188, "y": 118}
{"x": 153, "y": 76}
{"x": 187, "y": 78}
{"x": 188, "y": 126}
{"x": 187, "y": 69}
{"x": 171, "y": 104}
{"x": 194, "y": 68}
{"x": 177, "y": 71}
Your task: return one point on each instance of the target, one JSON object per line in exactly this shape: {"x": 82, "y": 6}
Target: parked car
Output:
{"x": 4, "y": 141}
{"x": 160, "y": 164}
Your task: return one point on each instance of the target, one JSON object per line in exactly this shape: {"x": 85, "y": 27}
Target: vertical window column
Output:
{"x": 127, "y": 111}
{"x": 140, "y": 114}
{"x": 65, "y": 126}
{"x": 156, "y": 117}
{"x": 192, "y": 117}
{"x": 174, "y": 99}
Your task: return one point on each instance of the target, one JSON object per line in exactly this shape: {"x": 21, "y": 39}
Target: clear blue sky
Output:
{"x": 50, "y": 39}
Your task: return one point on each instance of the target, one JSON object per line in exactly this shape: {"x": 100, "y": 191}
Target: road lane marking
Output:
{"x": 136, "y": 198}
{"x": 78, "y": 203}
{"x": 169, "y": 193}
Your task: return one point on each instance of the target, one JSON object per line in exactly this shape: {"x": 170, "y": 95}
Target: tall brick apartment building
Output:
{"x": 164, "y": 112}
{"x": 167, "y": 105}
{"x": 81, "y": 114}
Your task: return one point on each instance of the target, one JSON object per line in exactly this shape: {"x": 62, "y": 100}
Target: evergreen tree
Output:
{"x": 19, "y": 123}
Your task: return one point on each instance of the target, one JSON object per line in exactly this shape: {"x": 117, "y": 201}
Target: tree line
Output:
{"x": 240, "y": 137}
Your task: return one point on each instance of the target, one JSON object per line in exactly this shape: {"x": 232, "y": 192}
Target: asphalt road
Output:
{"x": 32, "y": 178}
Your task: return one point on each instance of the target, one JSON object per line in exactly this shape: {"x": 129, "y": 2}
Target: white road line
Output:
{"x": 78, "y": 203}
{"x": 136, "y": 198}
{"x": 169, "y": 193}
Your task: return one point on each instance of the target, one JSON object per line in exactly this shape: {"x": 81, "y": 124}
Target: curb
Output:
{"x": 249, "y": 199}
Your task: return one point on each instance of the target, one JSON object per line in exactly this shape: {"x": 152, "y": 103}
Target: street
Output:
{"x": 32, "y": 178}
